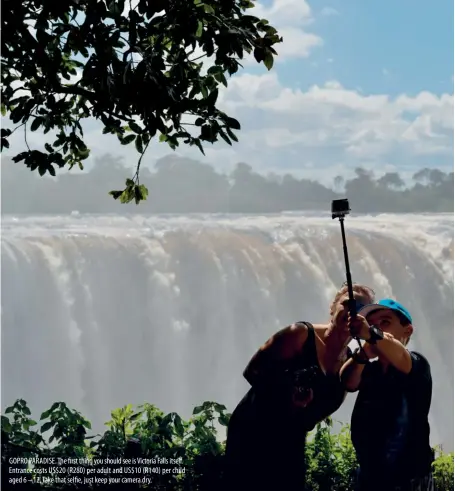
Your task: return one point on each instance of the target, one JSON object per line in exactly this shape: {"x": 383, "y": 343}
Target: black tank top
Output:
{"x": 265, "y": 446}
{"x": 272, "y": 407}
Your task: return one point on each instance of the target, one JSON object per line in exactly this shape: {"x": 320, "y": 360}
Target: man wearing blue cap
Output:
{"x": 389, "y": 425}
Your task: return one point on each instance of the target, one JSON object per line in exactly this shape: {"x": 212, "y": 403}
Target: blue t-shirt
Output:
{"x": 389, "y": 425}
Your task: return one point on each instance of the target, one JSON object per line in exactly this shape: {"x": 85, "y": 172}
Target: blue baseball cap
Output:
{"x": 386, "y": 304}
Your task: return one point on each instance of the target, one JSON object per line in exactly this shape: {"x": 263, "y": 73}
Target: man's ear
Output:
{"x": 408, "y": 330}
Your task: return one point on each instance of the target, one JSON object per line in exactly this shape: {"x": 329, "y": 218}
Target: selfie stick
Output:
{"x": 340, "y": 208}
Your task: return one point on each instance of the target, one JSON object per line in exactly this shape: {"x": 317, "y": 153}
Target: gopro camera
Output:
{"x": 340, "y": 208}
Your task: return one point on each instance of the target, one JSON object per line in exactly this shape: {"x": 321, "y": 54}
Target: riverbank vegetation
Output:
{"x": 145, "y": 447}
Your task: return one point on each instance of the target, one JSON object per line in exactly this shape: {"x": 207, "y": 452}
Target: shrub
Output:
{"x": 182, "y": 455}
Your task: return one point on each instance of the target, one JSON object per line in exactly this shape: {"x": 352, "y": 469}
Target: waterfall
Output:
{"x": 102, "y": 311}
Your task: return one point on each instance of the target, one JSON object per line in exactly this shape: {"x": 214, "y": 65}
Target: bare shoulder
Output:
{"x": 288, "y": 340}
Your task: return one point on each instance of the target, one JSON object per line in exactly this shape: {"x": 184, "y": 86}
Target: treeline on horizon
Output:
{"x": 181, "y": 185}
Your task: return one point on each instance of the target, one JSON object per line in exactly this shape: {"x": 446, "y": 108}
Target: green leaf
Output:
{"x": 47, "y": 426}
{"x": 36, "y": 123}
{"x": 268, "y": 60}
{"x": 212, "y": 97}
{"x": 144, "y": 191}
{"x": 204, "y": 91}
{"x": 127, "y": 139}
{"x": 231, "y": 135}
{"x": 137, "y": 195}
{"x": 221, "y": 78}
{"x": 219, "y": 407}
{"x": 127, "y": 195}
{"x": 3, "y": 109}
{"x": 198, "y": 143}
{"x": 46, "y": 414}
{"x": 180, "y": 430}
{"x": 6, "y": 425}
{"x": 200, "y": 29}
{"x": 9, "y": 409}
{"x": 135, "y": 127}
{"x": 223, "y": 420}
{"x": 116, "y": 194}
{"x": 259, "y": 54}
{"x": 225, "y": 137}
{"x": 139, "y": 146}
{"x": 232, "y": 123}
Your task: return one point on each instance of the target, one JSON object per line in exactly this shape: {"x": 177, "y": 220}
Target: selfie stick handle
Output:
{"x": 352, "y": 305}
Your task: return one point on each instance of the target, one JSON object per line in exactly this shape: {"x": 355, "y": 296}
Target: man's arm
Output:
{"x": 282, "y": 346}
{"x": 394, "y": 352}
{"x": 351, "y": 372}
{"x": 388, "y": 348}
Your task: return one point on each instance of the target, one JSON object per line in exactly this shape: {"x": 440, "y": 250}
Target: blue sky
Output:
{"x": 403, "y": 46}
{"x": 356, "y": 83}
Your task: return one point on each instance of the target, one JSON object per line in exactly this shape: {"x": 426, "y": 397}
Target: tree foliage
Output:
{"x": 180, "y": 185}
{"x": 138, "y": 69}
{"x": 191, "y": 445}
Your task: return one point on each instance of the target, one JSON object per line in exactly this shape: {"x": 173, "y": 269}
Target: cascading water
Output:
{"x": 100, "y": 312}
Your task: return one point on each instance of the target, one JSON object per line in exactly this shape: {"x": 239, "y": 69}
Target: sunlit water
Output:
{"x": 100, "y": 312}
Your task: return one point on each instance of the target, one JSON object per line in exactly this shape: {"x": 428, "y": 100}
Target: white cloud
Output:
{"x": 331, "y": 122}
{"x": 296, "y": 43}
{"x": 318, "y": 133}
{"x": 285, "y": 12}
{"x": 291, "y": 18}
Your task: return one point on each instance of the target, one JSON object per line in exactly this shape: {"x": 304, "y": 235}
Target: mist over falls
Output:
{"x": 100, "y": 312}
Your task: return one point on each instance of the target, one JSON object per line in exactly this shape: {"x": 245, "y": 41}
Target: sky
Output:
{"x": 355, "y": 83}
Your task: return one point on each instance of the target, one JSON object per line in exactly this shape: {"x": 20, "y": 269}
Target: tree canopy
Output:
{"x": 182, "y": 185}
{"x": 138, "y": 69}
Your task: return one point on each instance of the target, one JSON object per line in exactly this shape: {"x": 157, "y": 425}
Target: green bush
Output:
{"x": 183, "y": 455}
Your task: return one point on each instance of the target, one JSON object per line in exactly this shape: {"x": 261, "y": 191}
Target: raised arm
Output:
{"x": 394, "y": 352}
{"x": 351, "y": 372}
{"x": 273, "y": 354}
{"x": 389, "y": 349}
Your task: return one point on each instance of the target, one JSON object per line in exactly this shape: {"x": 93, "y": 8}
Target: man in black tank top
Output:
{"x": 295, "y": 384}
{"x": 389, "y": 426}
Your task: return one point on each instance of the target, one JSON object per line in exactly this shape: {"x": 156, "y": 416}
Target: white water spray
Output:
{"x": 104, "y": 311}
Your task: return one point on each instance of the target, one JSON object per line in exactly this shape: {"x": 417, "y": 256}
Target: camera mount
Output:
{"x": 341, "y": 208}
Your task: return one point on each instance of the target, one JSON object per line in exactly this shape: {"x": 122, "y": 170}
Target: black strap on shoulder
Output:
{"x": 309, "y": 354}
